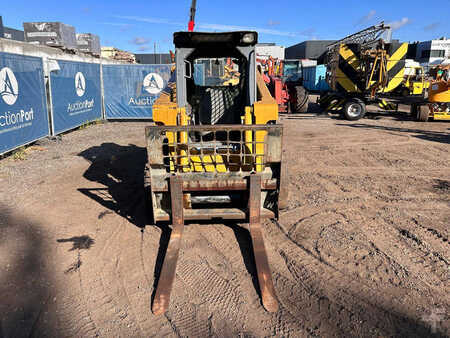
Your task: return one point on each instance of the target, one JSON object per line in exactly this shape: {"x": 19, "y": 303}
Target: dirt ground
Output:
{"x": 362, "y": 249}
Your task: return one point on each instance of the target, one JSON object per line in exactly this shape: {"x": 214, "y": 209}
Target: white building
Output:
{"x": 433, "y": 52}
{"x": 265, "y": 50}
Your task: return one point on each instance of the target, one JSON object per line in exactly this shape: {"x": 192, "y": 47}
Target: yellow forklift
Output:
{"x": 215, "y": 151}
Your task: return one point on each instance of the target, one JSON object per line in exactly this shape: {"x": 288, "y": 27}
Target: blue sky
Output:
{"x": 137, "y": 25}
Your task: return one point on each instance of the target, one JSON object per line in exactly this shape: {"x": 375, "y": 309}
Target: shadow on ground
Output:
{"x": 121, "y": 170}
{"x": 78, "y": 242}
{"x": 428, "y": 135}
{"x": 26, "y": 289}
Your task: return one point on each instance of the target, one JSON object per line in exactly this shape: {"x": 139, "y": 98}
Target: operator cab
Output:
{"x": 216, "y": 76}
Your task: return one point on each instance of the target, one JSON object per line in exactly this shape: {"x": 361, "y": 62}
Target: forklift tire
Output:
{"x": 301, "y": 100}
{"x": 354, "y": 109}
{"x": 423, "y": 113}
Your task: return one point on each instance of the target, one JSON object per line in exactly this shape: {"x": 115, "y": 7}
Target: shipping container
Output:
{"x": 314, "y": 78}
{"x": 53, "y": 34}
{"x": 88, "y": 43}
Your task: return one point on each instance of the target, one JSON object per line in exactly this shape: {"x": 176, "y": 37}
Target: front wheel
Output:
{"x": 354, "y": 110}
{"x": 300, "y": 104}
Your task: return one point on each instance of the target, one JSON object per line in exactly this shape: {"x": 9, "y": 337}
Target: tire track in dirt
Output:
{"x": 135, "y": 284}
{"x": 429, "y": 266}
{"x": 255, "y": 319}
{"x": 104, "y": 297}
{"x": 342, "y": 294}
{"x": 189, "y": 320}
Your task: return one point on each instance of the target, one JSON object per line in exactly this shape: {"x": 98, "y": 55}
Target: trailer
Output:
{"x": 363, "y": 69}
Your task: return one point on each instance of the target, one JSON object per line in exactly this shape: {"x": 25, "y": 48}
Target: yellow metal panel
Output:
{"x": 418, "y": 88}
{"x": 398, "y": 55}
{"x": 441, "y": 116}
{"x": 345, "y": 82}
{"x": 265, "y": 112}
{"x": 184, "y": 162}
{"x": 248, "y": 133}
{"x": 208, "y": 163}
{"x": 165, "y": 114}
{"x": 395, "y": 81}
{"x": 350, "y": 57}
{"x": 439, "y": 92}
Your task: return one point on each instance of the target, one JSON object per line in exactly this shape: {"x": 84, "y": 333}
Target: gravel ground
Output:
{"x": 361, "y": 250}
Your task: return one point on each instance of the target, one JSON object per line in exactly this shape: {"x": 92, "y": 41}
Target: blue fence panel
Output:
{"x": 23, "y": 107}
{"x": 131, "y": 90}
{"x": 76, "y": 94}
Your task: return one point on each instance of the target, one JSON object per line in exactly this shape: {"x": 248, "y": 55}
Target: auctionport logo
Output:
{"x": 9, "y": 88}
{"x": 153, "y": 83}
{"x": 80, "y": 84}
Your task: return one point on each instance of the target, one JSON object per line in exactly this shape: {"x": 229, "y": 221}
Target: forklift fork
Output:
{"x": 165, "y": 282}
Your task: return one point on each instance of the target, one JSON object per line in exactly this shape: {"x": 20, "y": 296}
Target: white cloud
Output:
{"x": 310, "y": 33}
{"x": 273, "y": 23}
{"x": 432, "y": 26}
{"x": 150, "y": 20}
{"x": 208, "y": 26}
{"x": 367, "y": 17}
{"x": 219, "y": 27}
{"x": 123, "y": 26}
{"x": 140, "y": 41}
{"x": 399, "y": 23}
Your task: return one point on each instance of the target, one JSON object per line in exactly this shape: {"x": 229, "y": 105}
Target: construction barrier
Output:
{"x": 75, "y": 95}
{"x": 23, "y": 108}
{"x": 131, "y": 90}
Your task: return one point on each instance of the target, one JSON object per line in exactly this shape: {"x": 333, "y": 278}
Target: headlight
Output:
{"x": 248, "y": 38}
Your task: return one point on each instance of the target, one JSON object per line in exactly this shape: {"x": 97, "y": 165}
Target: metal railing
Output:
{"x": 215, "y": 148}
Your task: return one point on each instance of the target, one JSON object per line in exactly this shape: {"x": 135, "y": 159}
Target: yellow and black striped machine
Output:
{"x": 361, "y": 69}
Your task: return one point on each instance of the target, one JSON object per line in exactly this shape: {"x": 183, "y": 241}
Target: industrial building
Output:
{"x": 433, "y": 52}
{"x": 311, "y": 49}
{"x": 10, "y": 33}
{"x": 266, "y": 50}
{"x": 153, "y": 59}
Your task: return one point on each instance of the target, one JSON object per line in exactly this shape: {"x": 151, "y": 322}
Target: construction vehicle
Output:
{"x": 289, "y": 92}
{"x": 437, "y": 105}
{"x": 363, "y": 69}
{"x": 215, "y": 151}
{"x": 414, "y": 83}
